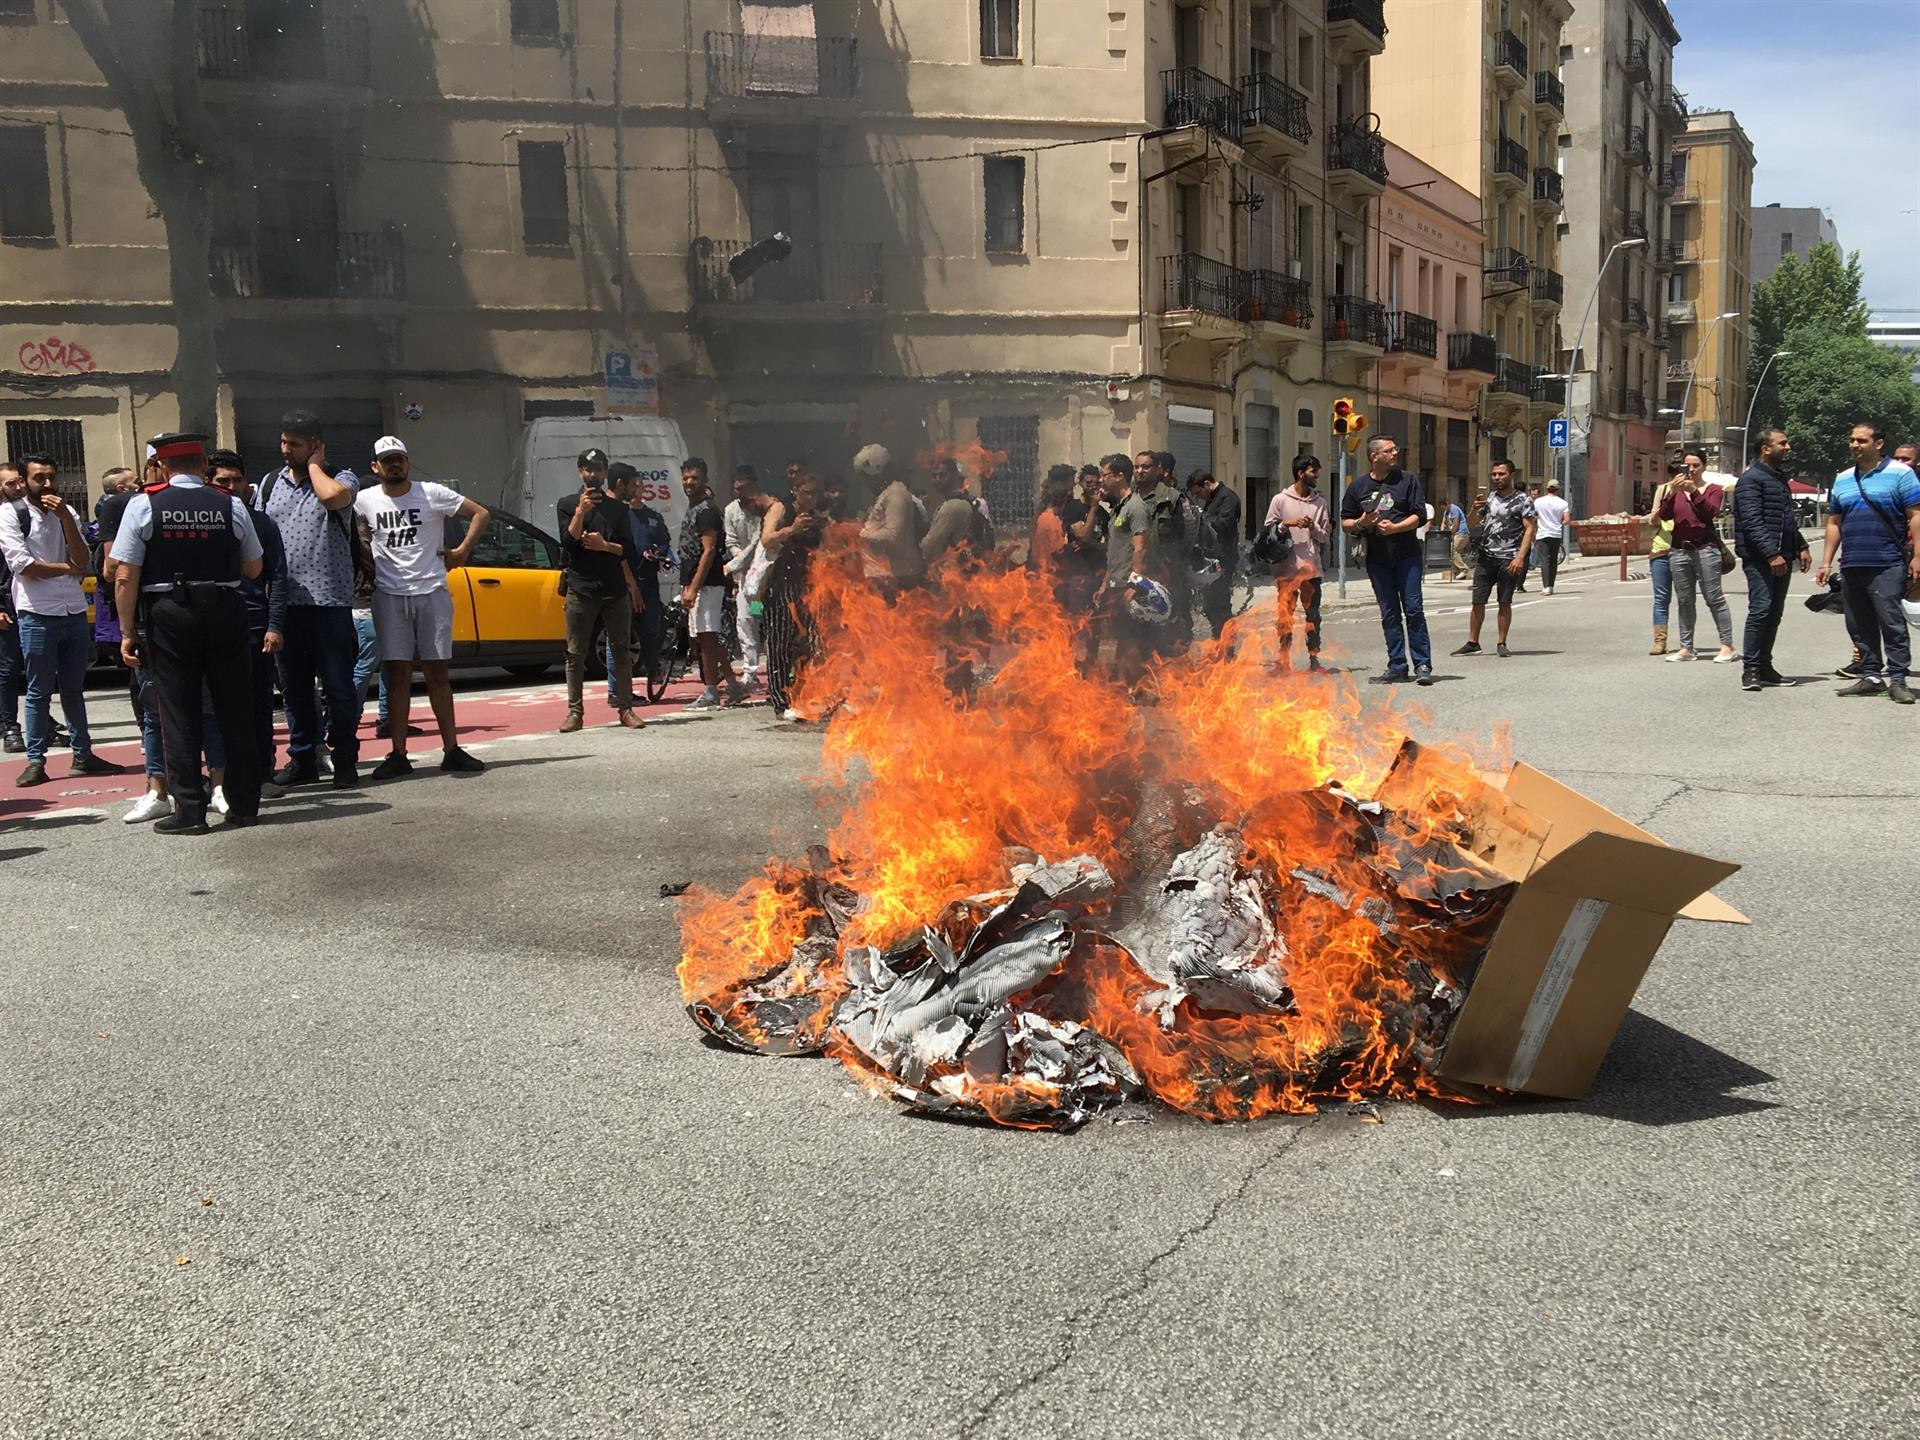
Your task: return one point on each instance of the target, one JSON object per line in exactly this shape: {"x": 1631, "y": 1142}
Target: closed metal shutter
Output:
{"x": 1192, "y": 446}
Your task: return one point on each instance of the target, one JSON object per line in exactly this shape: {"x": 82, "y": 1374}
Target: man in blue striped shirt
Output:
{"x": 1873, "y": 520}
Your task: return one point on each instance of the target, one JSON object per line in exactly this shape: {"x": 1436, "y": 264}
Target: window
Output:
{"x": 1303, "y": 265}
{"x": 1786, "y": 243}
{"x": 1012, "y": 490}
{"x": 543, "y": 193}
{"x": 1000, "y": 29}
{"x": 1006, "y": 209}
{"x": 1189, "y": 232}
{"x": 1304, "y": 77}
{"x": 63, "y": 443}
{"x": 531, "y": 410}
{"x": 26, "y": 193}
{"x": 536, "y": 19}
{"x": 507, "y": 544}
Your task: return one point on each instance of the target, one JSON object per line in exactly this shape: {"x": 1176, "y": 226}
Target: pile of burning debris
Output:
{"x": 1041, "y": 901}
{"x": 1060, "y": 996}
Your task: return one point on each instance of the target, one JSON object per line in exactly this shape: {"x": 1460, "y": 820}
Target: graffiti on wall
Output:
{"x": 54, "y": 356}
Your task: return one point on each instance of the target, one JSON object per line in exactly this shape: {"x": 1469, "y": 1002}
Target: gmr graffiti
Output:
{"x": 54, "y": 356}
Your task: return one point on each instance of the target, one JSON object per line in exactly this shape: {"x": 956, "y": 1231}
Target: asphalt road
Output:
{"x": 471, "y": 1172}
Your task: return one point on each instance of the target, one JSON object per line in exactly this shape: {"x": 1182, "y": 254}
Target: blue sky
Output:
{"x": 1829, "y": 93}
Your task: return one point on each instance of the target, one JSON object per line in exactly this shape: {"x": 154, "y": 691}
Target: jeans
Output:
{"x": 56, "y": 648}
{"x": 1549, "y": 549}
{"x": 1874, "y": 620}
{"x": 321, "y": 646}
{"x": 1661, "y": 568}
{"x": 367, "y": 667}
{"x": 1766, "y": 603}
{"x": 1403, "y": 615}
{"x": 13, "y": 676}
{"x": 146, "y": 704}
{"x": 583, "y": 617}
{"x": 643, "y": 635}
{"x": 1696, "y": 575}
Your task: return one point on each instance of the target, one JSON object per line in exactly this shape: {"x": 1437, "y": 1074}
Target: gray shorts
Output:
{"x": 413, "y": 627}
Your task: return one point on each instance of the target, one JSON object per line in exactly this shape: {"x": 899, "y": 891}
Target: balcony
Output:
{"x": 287, "y": 264}
{"x": 1509, "y": 60}
{"x": 1670, "y": 105}
{"x": 1273, "y": 119}
{"x": 1671, "y": 254}
{"x": 1202, "y": 298}
{"x": 1549, "y": 287}
{"x": 1513, "y": 380}
{"x": 781, "y": 79}
{"x": 1355, "y": 29}
{"x": 1639, "y": 61}
{"x": 1679, "y": 312}
{"x": 1684, "y": 191}
{"x": 1411, "y": 334}
{"x": 1357, "y": 159}
{"x": 1198, "y": 105}
{"x": 325, "y": 48}
{"x": 1679, "y": 372}
{"x": 1469, "y": 350}
{"x": 1633, "y": 315}
{"x": 1506, "y": 268}
{"x": 1548, "y": 188}
{"x": 1511, "y": 165}
{"x": 815, "y": 282}
{"x": 1666, "y": 179}
{"x": 1633, "y": 225}
{"x": 1548, "y": 393}
{"x": 1279, "y": 301}
{"x": 1635, "y": 151}
{"x": 1662, "y": 333}
{"x": 1549, "y": 93}
{"x": 1633, "y": 404}
{"x": 1356, "y": 331}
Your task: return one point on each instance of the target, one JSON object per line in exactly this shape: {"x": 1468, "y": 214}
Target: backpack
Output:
{"x": 21, "y": 509}
{"x": 357, "y": 546}
{"x": 1176, "y": 530}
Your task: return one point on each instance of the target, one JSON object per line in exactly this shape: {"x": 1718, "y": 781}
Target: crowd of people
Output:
{"x": 219, "y": 592}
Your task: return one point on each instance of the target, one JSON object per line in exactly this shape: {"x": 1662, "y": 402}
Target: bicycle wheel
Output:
{"x": 672, "y": 663}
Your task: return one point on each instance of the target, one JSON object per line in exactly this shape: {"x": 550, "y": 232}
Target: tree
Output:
{"x": 149, "y": 53}
{"x": 1820, "y": 294}
{"x": 1832, "y": 382}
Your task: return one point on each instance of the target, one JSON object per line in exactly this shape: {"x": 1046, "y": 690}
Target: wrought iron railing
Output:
{"x": 1633, "y": 314}
{"x": 1356, "y": 145}
{"x": 1633, "y": 403}
{"x": 1549, "y": 287}
{"x": 1510, "y": 158}
{"x": 1671, "y": 105}
{"x": 229, "y": 49}
{"x": 741, "y": 66}
{"x": 1639, "y": 62}
{"x": 1193, "y": 97}
{"x": 1634, "y": 225}
{"x": 1548, "y": 186}
{"x": 1351, "y": 318}
{"x": 1369, "y": 15}
{"x": 1547, "y": 90}
{"x": 1513, "y": 377}
{"x": 1268, "y": 100}
{"x": 1470, "y": 350}
{"x": 1636, "y": 149}
{"x": 1412, "y": 334}
{"x": 286, "y": 264}
{"x": 1510, "y": 52}
{"x": 1548, "y": 390}
{"x": 1279, "y": 299}
{"x": 1196, "y": 282}
{"x": 1506, "y": 266}
{"x": 849, "y": 275}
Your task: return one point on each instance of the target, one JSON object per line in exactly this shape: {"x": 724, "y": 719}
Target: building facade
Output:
{"x": 1046, "y": 227}
{"x": 1710, "y": 291}
{"x": 1783, "y": 230}
{"x": 1427, "y": 386}
{"x": 1474, "y": 90}
{"x": 1623, "y": 114}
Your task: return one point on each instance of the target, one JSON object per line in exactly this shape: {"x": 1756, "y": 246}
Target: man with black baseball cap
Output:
{"x": 180, "y": 557}
{"x": 597, "y": 538}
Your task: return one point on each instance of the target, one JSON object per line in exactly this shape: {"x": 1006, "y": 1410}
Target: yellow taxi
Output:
{"x": 507, "y": 606}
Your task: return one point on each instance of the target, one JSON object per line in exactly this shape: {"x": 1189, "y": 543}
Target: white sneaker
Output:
{"x": 1548, "y": 590}
{"x": 219, "y": 803}
{"x": 792, "y": 716}
{"x": 148, "y": 807}
{"x": 705, "y": 700}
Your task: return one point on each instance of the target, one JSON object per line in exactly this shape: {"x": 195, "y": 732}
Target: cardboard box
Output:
{"x": 1597, "y": 896}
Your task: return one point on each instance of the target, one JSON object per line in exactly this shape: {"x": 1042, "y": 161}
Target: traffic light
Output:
{"x": 1342, "y": 414}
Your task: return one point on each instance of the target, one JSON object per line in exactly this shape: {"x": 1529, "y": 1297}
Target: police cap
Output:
{"x": 179, "y": 447}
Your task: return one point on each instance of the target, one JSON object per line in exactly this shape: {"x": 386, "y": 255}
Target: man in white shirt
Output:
{"x": 47, "y": 555}
{"x": 405, "y": 525}
{"x": 741, "y": 522}
{"x": 1551, "y": 512}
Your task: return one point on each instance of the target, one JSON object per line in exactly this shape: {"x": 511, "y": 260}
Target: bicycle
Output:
{"x": 676, "y": 653}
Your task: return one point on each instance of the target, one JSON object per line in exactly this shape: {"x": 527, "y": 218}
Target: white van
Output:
{"x": 546, "y": 468}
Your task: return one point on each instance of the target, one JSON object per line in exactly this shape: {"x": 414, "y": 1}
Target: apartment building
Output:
{"x": 1710, "y": 291}
{"x": 1623, "y": 114}
{"x": 1783, "y": 230}
{"x": 1439, "y": 356}
{"x": 1474, "y": 89}
{"x": 1050, "y": 227}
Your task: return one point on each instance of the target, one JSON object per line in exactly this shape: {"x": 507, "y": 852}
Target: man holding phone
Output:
{"x": 1386, "y": 507}
{"x": 600, "y": 589}
{"x": 1506, "y": 522}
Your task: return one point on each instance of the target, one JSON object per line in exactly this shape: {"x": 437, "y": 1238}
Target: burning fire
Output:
{"x": 972, "y": 457}
{"x": 967, "y": 745}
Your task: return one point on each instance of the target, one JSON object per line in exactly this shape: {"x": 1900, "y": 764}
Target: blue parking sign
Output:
{"x": 1556, "y": 434}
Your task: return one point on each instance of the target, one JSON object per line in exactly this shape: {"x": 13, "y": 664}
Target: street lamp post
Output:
{"x": 1687, "y": 394}
{"x": 1746, "y": 430}
{"x": 1573, "y": 368}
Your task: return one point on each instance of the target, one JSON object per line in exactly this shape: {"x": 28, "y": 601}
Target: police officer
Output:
{"x": 181, "y": 554}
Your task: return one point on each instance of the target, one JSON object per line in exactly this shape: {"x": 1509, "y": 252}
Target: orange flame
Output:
{"x": 961, "y": 726}
{"x": 972, "y": 457}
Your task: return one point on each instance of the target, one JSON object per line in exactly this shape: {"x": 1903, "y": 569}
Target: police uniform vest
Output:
{"x": 193, "y": 541}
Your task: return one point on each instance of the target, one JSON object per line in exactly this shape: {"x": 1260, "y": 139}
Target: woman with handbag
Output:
{"x": 1698, "y": 557}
